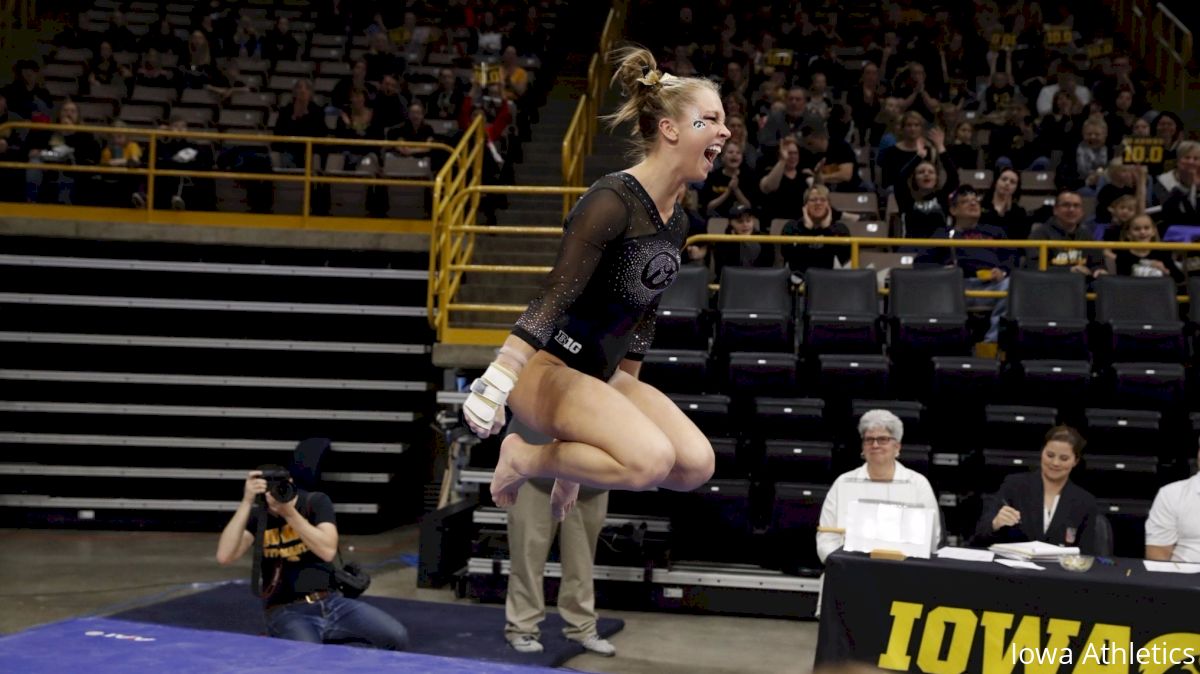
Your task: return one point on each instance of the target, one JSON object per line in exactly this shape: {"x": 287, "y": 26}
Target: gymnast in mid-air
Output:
{"x": 570, "y": 367}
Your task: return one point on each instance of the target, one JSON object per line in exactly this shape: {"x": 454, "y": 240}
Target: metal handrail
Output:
{"x": 458, "y": 264}
{"x": 454, "y": 183}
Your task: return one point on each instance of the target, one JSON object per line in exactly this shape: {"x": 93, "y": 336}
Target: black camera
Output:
{"x": 279, "y": 484}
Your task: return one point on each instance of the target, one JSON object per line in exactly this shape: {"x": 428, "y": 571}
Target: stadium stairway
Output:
{"x": 141, "y": 380}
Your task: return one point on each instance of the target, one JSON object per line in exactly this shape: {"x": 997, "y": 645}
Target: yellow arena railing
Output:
{"x": 462, "y": 168}
{"x": 581, "y": 132}
{"x": 462, "y": 235}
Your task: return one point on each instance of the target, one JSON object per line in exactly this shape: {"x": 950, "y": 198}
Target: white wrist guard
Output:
{"x": 485, "y": 404}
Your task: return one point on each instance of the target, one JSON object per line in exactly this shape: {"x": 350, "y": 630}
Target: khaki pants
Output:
{"x": 530, "y": 532}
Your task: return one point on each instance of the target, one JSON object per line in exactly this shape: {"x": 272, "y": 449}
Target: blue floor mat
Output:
{"x": 451, "y": 630}
{"x": 107, "y": 646}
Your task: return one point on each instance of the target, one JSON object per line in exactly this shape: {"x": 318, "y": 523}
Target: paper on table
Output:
{"x": 966, "y": 554}
{"x": 1171, "y": 567}
{"x": 1018, "y": 564}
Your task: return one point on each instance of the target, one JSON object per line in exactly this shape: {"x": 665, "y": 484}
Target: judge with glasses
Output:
{"x": 881, "y": 477}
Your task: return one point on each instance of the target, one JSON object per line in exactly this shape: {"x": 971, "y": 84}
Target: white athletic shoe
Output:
{"x": 526, "y": 644}
{"x": 599, "y": 646}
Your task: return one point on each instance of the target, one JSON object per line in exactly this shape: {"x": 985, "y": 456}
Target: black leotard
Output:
{"x": 600, "y": 301}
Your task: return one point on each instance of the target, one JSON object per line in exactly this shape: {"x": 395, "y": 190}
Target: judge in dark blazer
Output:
{"x": 1043, "y": 505}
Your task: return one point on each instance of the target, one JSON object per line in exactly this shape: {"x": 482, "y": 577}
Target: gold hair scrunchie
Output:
{"x": 650, "y": 79}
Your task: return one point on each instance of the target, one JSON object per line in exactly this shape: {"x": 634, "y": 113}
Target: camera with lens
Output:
{"x": 279, "y": 484}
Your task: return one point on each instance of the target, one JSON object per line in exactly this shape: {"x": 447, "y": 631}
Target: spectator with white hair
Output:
{"x": 881, "y": 476}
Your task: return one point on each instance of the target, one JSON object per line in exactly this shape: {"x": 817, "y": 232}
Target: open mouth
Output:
{"x": 711, "y": 152}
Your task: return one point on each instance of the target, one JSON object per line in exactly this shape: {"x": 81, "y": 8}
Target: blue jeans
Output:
{"x": 999, "y": 305}
{"x": 337, "y": 619}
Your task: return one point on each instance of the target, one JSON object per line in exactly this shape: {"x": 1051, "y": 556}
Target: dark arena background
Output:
{"x": 245, "y": 232}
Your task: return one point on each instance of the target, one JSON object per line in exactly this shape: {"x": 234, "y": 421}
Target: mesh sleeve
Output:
{"x": 643, "y": 332}
{"x": 598, "y": 219}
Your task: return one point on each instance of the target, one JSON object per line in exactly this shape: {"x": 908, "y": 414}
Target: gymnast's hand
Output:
{"x": 484, "y": 408}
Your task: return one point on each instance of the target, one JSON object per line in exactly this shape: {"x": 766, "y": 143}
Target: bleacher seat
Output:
{"x": 980, "y": 179}
{"x": 1138, "y": 320}
{"x": 107, "y": 92}
{"x": 338, "y": 69}
{"x": 843, "y": 377}
{"x": 62, "y": 88}
{"x": 673, "y": 371}
{"x": 1156, "y": 386}
{"x": 841, "y": 314}
{"x": 163, "y": 96}
{"x": 95, "y": 111}
{"x": 1128, "y": 520}
{"x": 1034, "y": 182}
{"x": 301, "y": 68}
{"x": 1117, "y": 476}
{"x": 199, "y": 97}
{"x": 797, "y": 461}
{"x": 70, "y": 72}
{"x": 253, "y": 99}
{"x": 1000, "y": 463}
{"x": 911, "y": 412}
{"x": 411, "y": 168}
{"x": 871, "y": 229}
{"x": 710, "y": 413}
{"x": 233, "y": 119}
{"x": 789, "y": 418}
{"x": 755, "y": 310}
{"x": 683, "y": 321}
{"x": 795, "y": 515}
{"x": 1046, "y": 316}
{"x": 729, "y": 466}
{"x": 194, "y": 116}
{"x": 1017, "y": 427}
{"x": 927, "y": 314}
{"x": 761, "y": 373}
{"x": 1124, "y": 432}
{"x": 134, "y": 114}
{"x": 712, "y": 522}
{"x": 958, "y": 392}
{"x": 861, "y": 203}
{"x": 1062, "y": 383}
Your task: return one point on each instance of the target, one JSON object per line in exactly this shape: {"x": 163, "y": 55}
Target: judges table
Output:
{"x": 942, "y": 616}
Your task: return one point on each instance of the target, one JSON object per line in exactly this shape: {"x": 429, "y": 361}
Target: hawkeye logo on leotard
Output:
{"x": 660, "y": 271}
{"x": 567, "y": 343}
{"x": 283, "y": 543}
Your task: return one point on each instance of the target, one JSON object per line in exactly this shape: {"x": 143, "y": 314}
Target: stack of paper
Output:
{"x": 1171, "y": 567}
{"x": 1033, "y": 551}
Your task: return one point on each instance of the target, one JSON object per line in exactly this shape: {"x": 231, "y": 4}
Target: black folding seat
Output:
{"x": 927, "y": 314}
{"x": 1137, "y": 320}
{"x": 790, "y": 419}
{"x": 910, "y": 412}
{"x": 959, "y": 390}
{"x": 728, "y": 464}
{"x": 710, "y": 413}
{"x": 712, "y": 522}
{"x": 1116, "y": 476}
{"x": 1017, "y": 427}
{"x": 1154, "y": 386}
{"x": 684, "y": 321}
{"x": 843, "y": 377}
{"x": 673, "y": 371}
{"x": 841, "y": 311}
{"x": 1046, "y": 317}
{"x": 795, "y": 515}
{"x": 1065, "y": 384}
{"x": 1127, "y": 517}
{"x": 1000, "y": 463}
{"x": 763, "y": 373}
{"x": 1124, "y": 432}
{"x": 756, "y": 310}
{"x": 797, "y": 461}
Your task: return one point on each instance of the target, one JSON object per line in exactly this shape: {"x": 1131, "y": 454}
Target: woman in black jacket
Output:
{"x": 1043, "y": 505}
{"x": 923, "y": 205}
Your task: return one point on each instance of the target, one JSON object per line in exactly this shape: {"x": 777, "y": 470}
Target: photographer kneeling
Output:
{"x": 299, "y": 546}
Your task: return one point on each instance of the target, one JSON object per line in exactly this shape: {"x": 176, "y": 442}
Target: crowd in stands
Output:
{"x": 415, "y": 71}
{"x": 942, "y": 120}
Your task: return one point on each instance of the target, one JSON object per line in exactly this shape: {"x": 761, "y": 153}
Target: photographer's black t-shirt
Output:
{"x": 302, "y": 571}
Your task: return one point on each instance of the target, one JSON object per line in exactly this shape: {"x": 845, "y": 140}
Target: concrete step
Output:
{"x": 513, "y": 258}
{"x": 493, "y": 294}
{"x": 518, "y": 244}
